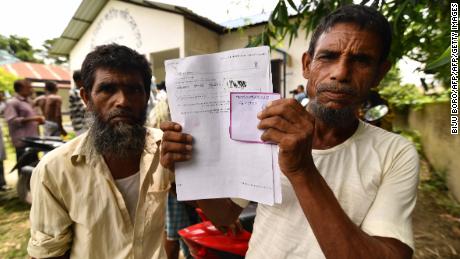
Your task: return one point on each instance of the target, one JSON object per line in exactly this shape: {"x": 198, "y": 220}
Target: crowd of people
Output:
{"x": 349, "y": 188}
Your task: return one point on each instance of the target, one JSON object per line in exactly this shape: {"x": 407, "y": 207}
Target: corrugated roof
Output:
{"x": 80, "y": 22}
{"x": 89, "y": 9}
{"x": 38, "y": 72}
{"x": 7, "y": 58}
{"x": 246, "y": 21}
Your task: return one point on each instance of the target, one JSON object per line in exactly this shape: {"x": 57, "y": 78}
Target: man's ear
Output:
{"x": 382, "y": 71}
{"x": 84, "y": 96}
{"x": 306, "y": 60}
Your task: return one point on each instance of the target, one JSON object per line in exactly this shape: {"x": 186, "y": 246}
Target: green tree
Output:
{"x": 20, "y": 47}
{"x": 401, "y": 97}
{"x": 47, "y": 45}
{"x": 420, "y": 27}
{"x": 6, "y": 81}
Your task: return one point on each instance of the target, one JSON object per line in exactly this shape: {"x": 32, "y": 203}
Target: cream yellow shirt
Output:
{"x": 76, "y": 205}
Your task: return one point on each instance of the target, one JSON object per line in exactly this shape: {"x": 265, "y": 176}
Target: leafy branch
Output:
{"x": 420, "y": 27}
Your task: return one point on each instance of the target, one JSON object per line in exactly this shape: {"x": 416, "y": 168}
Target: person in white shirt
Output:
{"x": 349, "y": 188}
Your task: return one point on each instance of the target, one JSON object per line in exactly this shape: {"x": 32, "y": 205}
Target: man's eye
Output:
{"x": 362, "y": 59}
{"x": 325, "y": 57}
{"x": 106, "y": 88}
{"x": 137, "y": 89}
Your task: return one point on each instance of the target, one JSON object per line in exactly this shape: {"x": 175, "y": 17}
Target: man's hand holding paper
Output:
{"x": 175, "y": 146}
{"x": 244, "y": 108}
{"x": 286, "y": 123}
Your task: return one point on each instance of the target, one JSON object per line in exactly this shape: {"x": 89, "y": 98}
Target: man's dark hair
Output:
{"x": 76, "y": 76}
{"x": 18, "y": 84}
{"x": 117, "y": 57}
{"x": 51, "y": 87}
{"x": 365, "y": 17}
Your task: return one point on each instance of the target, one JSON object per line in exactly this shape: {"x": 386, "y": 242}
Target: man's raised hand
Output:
{"x": 289, "y": 125}
{"x": 175, "y": 146}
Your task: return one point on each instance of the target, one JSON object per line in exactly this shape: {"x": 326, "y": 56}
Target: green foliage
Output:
{"x": 20, "y": 47}
{"x": 47, "y": 45}
{"x": 14, "y": 234}
{"x": 403, "y": 96}
{"x": 6, "y": 81}
{"x": 392, "y": 77}
{"x": 440, "y": 61}
{"x": 436, "y": 184}
{"x": 420, "y": 28}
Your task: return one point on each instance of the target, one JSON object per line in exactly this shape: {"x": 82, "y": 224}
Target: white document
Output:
{"x": 244, "y": 108}
{"x": 198, "y": 90}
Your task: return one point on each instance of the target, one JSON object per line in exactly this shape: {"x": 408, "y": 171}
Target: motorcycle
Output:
{"x": 205, "y": 241}
{"x": 27, "y": 162}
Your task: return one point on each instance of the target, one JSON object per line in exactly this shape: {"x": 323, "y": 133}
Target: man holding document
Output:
{"x": 348, "y": 188}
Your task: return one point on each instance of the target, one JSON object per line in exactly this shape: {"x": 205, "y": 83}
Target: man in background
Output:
{"x": 39, "y": 103}
{"x": 300, "y": 93}
{"x": 76, "y": 107}
{"x": 179, "y": 215}
{"x": 52, "y": 111}
{"x": 3, "y": 186}
{"x": 21, "y": 117}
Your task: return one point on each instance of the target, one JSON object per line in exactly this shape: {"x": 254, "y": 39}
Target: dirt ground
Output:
{"x": 436, "y": 221}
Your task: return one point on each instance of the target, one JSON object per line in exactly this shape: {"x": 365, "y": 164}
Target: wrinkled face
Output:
{"x": 345, "y": 65}
{"x": 117, "y": 97}
{"x": 117, "y": 108}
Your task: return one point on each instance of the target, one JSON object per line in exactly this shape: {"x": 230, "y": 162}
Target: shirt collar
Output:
{"x": 21, "y": 98}
{"x": 153, "y": 140}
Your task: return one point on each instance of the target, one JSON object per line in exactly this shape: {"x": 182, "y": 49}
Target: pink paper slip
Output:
{"x": 244, "y": 107}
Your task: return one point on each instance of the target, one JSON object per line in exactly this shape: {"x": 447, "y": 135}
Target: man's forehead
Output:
{"x": 348, "y": 35}
{"x": 116, "y": 75}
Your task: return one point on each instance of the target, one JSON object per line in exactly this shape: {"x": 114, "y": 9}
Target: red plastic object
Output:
{"x": 205, "y": 241}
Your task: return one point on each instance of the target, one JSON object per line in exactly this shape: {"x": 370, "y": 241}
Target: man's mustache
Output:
{"x": 122, "y": 113}
{"x": 336, "y": 88}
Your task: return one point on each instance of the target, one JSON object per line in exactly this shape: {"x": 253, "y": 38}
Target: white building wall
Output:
{"x": 143, "y": 29}
{"x": 148, "y": 31}
{"x": 199, "y": 40}
{"x": 240, "y": 38}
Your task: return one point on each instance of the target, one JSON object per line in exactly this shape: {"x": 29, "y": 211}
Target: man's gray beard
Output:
{"x": 333, "y": 117}
{"x": 120, "y": 140}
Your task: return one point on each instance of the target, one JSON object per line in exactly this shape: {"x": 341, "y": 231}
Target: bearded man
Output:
{"x": 102, "y": 195}
{"x": 349, "y": 188}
